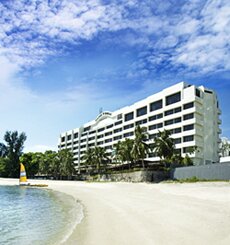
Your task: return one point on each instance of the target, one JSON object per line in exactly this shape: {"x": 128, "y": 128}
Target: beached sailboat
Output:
{"x": 23, "y": 178}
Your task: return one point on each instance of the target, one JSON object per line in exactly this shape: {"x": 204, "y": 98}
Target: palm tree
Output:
{"x": 101, "y": 157}
{"x": 126, "y": 150}
{"x": 45, "y": 164}
{"x": 88, "y": 158}
{"x": 66, "y": 163}
{"x": 164, "y": 145}
{"x": 140, "y": 147}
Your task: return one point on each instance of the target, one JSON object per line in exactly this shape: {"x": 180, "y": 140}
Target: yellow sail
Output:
{"x": 23, "y": 179}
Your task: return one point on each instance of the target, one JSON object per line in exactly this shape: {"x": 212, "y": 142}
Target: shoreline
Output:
{"x": 141, "y": 213}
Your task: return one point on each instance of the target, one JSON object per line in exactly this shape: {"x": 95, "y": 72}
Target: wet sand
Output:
{"x": 148, "y": 214}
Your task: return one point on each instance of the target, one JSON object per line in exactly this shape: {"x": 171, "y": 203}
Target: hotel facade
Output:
{"x": 190, "y": 113}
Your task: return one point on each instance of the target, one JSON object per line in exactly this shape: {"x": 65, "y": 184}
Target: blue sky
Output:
{"x": 61, "y": 61}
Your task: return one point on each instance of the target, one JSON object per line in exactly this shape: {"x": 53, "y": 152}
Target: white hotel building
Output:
{"x": 191, "y": 114}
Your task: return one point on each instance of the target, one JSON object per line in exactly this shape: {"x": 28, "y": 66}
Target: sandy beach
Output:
{"x": 141, "y": 213}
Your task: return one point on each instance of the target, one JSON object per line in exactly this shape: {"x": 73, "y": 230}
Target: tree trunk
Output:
{"x": 143, "y": 163}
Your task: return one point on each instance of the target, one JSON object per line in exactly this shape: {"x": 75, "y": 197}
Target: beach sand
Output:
{"x": 148, "y": 214}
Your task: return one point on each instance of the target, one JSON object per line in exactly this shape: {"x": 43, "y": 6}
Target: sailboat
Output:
{"x": 23, "y": 178}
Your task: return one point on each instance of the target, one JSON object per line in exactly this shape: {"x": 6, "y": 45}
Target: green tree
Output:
{"x": 14, "y": 146}
{"x": 3, "y": 150}
{"x": 164, "y": 146}
{"x": 89, "y": 159}
{"x": 101, "y": 157}
{"x": 187, "y": 161}
{"x": 31, "y": 163}
{"x": 54, "y": 165}
{"x": 65, "y": 159}
{"x": 45, "y": 166}
{"x": 124, "y": 151}
{"x": 3, "y": 164}
{"x": 140, "y": 147}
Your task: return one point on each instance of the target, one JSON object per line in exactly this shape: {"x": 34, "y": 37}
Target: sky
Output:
{"x": 61, "y": 61}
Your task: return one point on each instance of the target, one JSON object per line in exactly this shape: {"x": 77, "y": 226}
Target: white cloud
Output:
{"x": 207, "y": 47}
{"x": 34, "y": 31}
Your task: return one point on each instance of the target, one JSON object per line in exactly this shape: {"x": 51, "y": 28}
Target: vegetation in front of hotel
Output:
{"x": 127, "y": 156}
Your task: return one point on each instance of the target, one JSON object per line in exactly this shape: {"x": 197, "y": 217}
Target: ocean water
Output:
{"x": 36, "y": 216}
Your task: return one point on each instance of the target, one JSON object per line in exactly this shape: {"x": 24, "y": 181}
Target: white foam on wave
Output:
{"x": 77, "y": 214}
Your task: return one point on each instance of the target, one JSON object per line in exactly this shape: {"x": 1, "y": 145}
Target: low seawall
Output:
{"x": 137, "y": 176}
{"x": 218, "y": 171}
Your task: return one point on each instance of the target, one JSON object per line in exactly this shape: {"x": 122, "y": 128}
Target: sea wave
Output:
{"x": 78, "y": 215}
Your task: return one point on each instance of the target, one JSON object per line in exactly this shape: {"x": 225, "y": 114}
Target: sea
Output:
{"x": 36, "y": 216}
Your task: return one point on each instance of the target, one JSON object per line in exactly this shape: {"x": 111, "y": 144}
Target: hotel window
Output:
{"x": 108, "y": 140}
{"x": 156, "y": 105}
{"x": 117, "y": 130}
{"x": 128, "y": 134}
{"x": 69, "y": 137}
{"x": 178, "y": 109}
{"x": 91, "y": 138}
{"x": 155, "y": 117}
{"x": 128, "y": 126}
{"x": 188, "y": 105}
{"x": 188, "y": 116}
{"x": 86, "y": 129}
{"x": 84, "y": 140}
{"x": 141, "y": 122}
{"x": 84, "y": 134}
{"x": 100, "y": 136}
{"x": 155, "y": 126}
{"x": 100, "y": 143}
{"x": 171, "y": 99}
{"x": 169, "y": 112}
{"x": 176, "y": 130}
{"x": 177, "y": 141}
{"x": 129, "y": 116}
{"x": 159, "y": 125}
{"x": 189, "y": 127}
{"x": 117, "y": 123}
{"x": 109, "y": 133}
{"x": 188, "y": 138}
{"x": 63, "y": 139}
{"x": 172, "y": 121}
{"x": 109, "y": 126}
{"x": 117, "y": 137}
{"x": 168, "y": 122}
{"x": 177, "y": 120}
{"x": 142, "y": 111}
{"x": 75, "y": 135}
{"x": 100, "y": 129}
